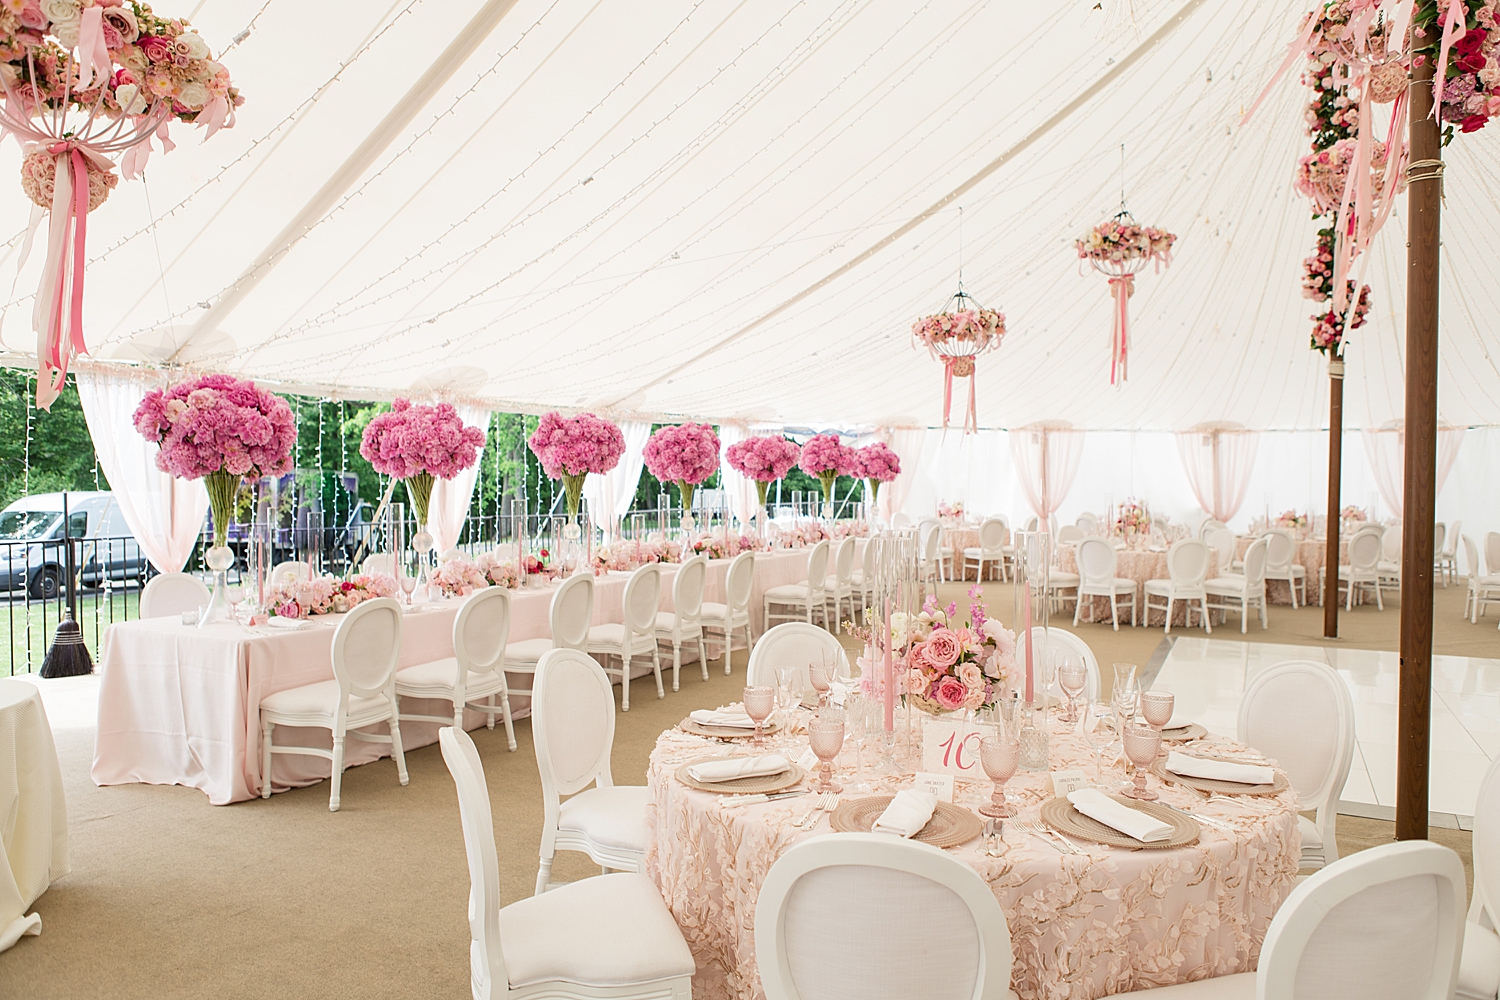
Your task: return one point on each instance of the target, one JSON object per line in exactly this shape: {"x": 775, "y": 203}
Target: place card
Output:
{"x": 809, "y": 760}
{"x": 940, "y": 785}
{"x": 1067, "y": 781}
{"x": 951, "y": 746}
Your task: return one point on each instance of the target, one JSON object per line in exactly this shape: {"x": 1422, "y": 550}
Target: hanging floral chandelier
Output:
{"x": 958, "y": 335}
{"x": 1120, "y": 249}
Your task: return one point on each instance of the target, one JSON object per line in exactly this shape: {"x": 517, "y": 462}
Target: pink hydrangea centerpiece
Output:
{"x": 569, "y": 448}
{"x": 418, "y": 444}
{"x": 763, "y": 459}
{"x": 686, "y": 454}
{"x": 878, "y": 464}
{"x": 825, "y": 458}
{"x": 220, "y": 429}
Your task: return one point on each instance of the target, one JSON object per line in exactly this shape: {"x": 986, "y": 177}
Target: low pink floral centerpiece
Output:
{"x": 458, "y": 577}
{"x": 419, "y": 444}
{"x": 878, "y": 464}
{"x": 763, "y": 459}
{"x": 325, "y": 595}
{"x": 823, "y": 456}
{"x": 686, "y": 455}
{"x": 569, "y": 448}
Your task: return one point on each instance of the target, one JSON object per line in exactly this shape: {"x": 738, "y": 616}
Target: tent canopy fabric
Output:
{"x": 735, "y": 211}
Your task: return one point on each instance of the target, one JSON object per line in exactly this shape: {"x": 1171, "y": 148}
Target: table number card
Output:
{"x": 951, "y": 746}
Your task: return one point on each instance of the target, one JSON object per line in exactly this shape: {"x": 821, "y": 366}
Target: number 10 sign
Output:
{"x": 951, "y": 746}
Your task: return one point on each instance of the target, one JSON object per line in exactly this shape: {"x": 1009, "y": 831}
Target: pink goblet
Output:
{"x": 1142, "y": 743}
{"x": 759, "y": 701}
{"x": 818, "y": 675}
{"x": 825, "y": 734}
{"x": 1157, "y": 708}
{"x": 999, "y": 755}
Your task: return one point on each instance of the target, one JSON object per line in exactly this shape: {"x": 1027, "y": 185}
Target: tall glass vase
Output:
{"x": 223, "y": 489}
{"x": 1032, "y": 559}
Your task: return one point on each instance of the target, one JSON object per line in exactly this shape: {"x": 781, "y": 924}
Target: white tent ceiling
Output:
{"x": 637, "y": 208}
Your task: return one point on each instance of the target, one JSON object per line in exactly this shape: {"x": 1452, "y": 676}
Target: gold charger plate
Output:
{"x": 725, "y": 732}
{"x": 950, "y": 825}
{"x": 1213, "y": 786}
{"x": 778, "y": 782}
{"x": 1060, "y": 815}
{"x": 1181, "y": 734}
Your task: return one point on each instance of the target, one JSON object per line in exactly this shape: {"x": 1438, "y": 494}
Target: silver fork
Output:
{"x": 815, "y": 814}
{"x": 812, "y": 808}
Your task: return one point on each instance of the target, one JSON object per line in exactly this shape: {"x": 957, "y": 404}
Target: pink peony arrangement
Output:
{"x": 1352, "y": 513}
{"x": 1133, "y": 518}
{"x": 325, "y": 595}
{"x": 458, "y": 577}
{"x": 220, "y": 429}
{"x": 686, "y": 455}
{"x": 1291, "y": 520}
{"x": 499, "y": 570}
{"x": 878, "y": 464}
{"x": 716, "y": 546}
{"x": 418, "y": 443}
{"x": 763, "y": 459}
{"x": 825, "y": 458}
{"x": 1122, "y": 240}
{"x": 951, "y": 667}
{"x": 569, "y": 448}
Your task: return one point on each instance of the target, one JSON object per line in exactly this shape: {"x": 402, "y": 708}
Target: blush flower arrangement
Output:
{"x": 219, "y": 429}
{"x": 763, "y": 459}
{"x": 499, "y": 570}
{"x": 1291, "y": 520}
{"x": 824, "y": 457}
{"x": 325, "y": 595}
{"x": 686, "y": 454}
{"x": 1133, "y": 519}
{"x": 420, "y": 444}
{"x": 878, "y": 464}
{"x": 458, "y": 577}
{"x": 569, "y": 448}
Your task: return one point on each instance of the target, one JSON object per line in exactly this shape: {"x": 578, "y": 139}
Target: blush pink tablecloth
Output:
{"x": 1310, "y": 553}
{"x": 1138, "y": 565}
{"x": 1087, "y": 925}
{"x": 180, "y": 705}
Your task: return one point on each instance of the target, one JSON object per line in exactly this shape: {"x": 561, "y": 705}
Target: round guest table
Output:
{"x": 1138, "y": 565}
{"x": 33, "y": 814}
{"x": 1102, "y": 921}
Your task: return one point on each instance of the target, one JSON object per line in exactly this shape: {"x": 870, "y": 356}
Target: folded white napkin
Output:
{"x": 724, "y": 718}
{"x": 1132, "y": 822}
{"x": 711, "y": 771}
{"x": 1218, "y": 770}
{"x": 289, "y": 623}
{"x": 908, "y": 812}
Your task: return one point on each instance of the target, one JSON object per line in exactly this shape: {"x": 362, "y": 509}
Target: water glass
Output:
{"x": 825, "y": 734}
{"x": 234, "y": 594}
{"x": 1124, "y": 695}
{"x": 1142, "y": 744}
{"x": 999, "y": 756}
{"x": 820, "y": 675}
{"x": 1073, "y": 678}
{"x": 1156, "y": 709}
{"x": 759, "y": 701}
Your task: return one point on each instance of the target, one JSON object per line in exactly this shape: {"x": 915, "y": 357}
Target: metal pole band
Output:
{"x": 1335, "y": 368}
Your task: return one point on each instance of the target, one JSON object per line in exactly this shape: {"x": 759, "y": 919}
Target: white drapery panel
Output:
{"x": 1386, "y": 448}
{"x": 449, "y": 507}
{"x": 907, "y": 443}
{"x": 610, "y": 495}
{"x": 1218, "y": 459}
{"x": 738, "y": 488}
{"x": 1046, "y": 457}
{"x": 165, "y": 514}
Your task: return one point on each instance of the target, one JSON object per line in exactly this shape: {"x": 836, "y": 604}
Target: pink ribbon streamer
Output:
{"x": 93, "y": 54}
{"x": 971, "y": 418}
{"x": 62, "y": 278}
{"x": 1298, "y": 46}
{"x": 1122, "y": 287}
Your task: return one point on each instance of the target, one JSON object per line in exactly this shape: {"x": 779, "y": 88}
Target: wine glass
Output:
{"x": 788, "y": 692}
{"x": 234, "y": 594}
{"x": 825, "y": 733}
{"x": 1046, "y": 673}
{"x": 818, "y": 674}
{"x": 1073, "y": 678}
{"x": 759, "y": 700}
{"x": 1156, "y": 708}
{"x": 1142, "y": 744}
{"x": 999, "y": 755}
{"x": 408, "y": 584}
{"x": 1123, "y": 696}
{"x": 857, "y": 718}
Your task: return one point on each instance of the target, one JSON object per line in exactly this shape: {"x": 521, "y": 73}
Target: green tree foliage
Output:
{"x": 61, "y": 453}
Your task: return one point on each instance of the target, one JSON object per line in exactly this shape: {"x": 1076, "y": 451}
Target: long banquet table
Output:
{"x": 180, "y": 705}
{"x": 1082, "y": 925}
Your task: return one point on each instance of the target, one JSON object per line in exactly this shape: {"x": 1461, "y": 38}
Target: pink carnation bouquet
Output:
{"x": 763, "y": 459}
{"x": 418, "y": 444}
{"x": 878, "y": 464}
{"x": 219, "y": 429}
{"x": 569, "y": 448}
{"x": 686, "y": 455}
{"x": 825, "y": 458}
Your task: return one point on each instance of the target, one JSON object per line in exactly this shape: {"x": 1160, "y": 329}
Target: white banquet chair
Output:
{"x": 1070, "y": 534}
{"x": 1389, "y": 565}
{"x": 1187, "y": 569}
{"x": 1492, "y": 553}
{"x": 476, "y": 670}
{"x": 1363, "y": 567}
{"x": 1383, "y": 924}
{"x": 803, "y": 599}
{"x": 1281, "y": 553}
{"x": 636, "y": 635}
{"x": 1222, "y": 541}
{"x": 728, "y": 618}
{"x": 1479, "y": 970}
{"x": 361, "y": 694}
{"x": 1087, "y": 522}
{"x": 1300, "y": 714}
{"x": 929, "y": 549}
{"x": 1097, "y": 560}
{"x": 685, "y": 620}
{"x": 380, "y": 562}
{"x": 169, "y": 594}
{"x": 797, "y": 645}
{"x": 295, "y": 568}
{"x": 1211, "y": 524}
{"x": 839, "y": 584}
{"x": 1445, "y": 545}
{"x": 994, "y": 536}
{"x": 874, "y": 888}
{"x": 573, "y": 728}
{"x": 1241, "y": 592}
{"x": 1481, "y": 589}
{"x": 901, "y": 520}
{"x": 1067, "y": 643}
{"x": 531, "y": 948}
{"x": 569, "y": 615}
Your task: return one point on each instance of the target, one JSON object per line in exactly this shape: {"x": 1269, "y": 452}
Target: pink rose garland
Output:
{"x": 418, "y": 443}
{"x": 569, "y": 448}
{"x": 763, "y": 459}
{"x": 686, "y": 455}
{"x": 823, "y": 456}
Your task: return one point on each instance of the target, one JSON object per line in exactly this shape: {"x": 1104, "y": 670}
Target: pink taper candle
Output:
{"x": 1030, "y": 696}
{"x": 890, "y": 674}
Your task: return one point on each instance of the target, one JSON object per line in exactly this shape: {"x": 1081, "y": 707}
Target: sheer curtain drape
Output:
{"x": 1046, "y": 458}
{"x": 451, "y": 498}
{"x": 1218, "y": 459}
{"x": 738, "y": 489}
{"x": 1386, "y": 449}
{"x": 907, "y": 443}
{"x": 610, "y": 495}
{"x": 165, "y": 514}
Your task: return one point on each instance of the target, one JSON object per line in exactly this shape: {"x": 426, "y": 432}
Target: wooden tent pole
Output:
{"x": 1335, "y": 476}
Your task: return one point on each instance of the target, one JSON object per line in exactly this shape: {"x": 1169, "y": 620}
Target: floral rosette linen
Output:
{"x": 220, "y": 429}
{"x": 686, "y": 455}
{"x": 763, "y": 459}
{"x": 419, "y": 444}
{"x": 824, "y": 457}
{"x": 570, "y": 448}
{"x": 877, "y": 463}
{"x": 326, "y": 595}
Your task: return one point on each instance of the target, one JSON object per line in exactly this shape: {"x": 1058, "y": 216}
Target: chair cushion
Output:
{"x": 666, "y": 621}
{"x": 437, "y": 677}
{"x": 613, "y": 817}
{"x": 316, "y": 705}
{"x": 1240, "y": 987}
{"x": 1479, "y": 967}
{"x": 1057, "y": 578}
{"x": 608, "y": 930}
{"x": 1231, "y": 585}
{"x": 717, "y": 614}
{"x": 526, "y": 653}
{"x": 1310, "y": 836}
{"x": 787, "y": 592}
{"x": 610, "y": 636}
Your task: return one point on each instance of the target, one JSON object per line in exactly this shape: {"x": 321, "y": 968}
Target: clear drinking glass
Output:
{"x": 234, "y": 595}
{"x": 788, "y": 692}
{"x": 1073, "y": 678}
{"x": 1046, "y": 673}
{"x": 825, "y": 734}
{"x": 759, "y": 701}
{"x": 1142, "y": 743}
{"x": 819, "y": 675}
{"x": 999, "y": 756}
{"x": 1123, "y": 696}
{"x": 408, "y": 584}
{"x": 1156, "y": 709}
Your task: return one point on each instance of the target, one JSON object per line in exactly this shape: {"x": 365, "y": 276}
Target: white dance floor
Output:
{"x": 1209, "y": 675}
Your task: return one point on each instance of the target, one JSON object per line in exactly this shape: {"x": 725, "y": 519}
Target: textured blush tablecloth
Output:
{"x": 1085, "y": 925}
{"x": 33, "y": 813}
{"x": 1138, "y": 565}
{"x": 1310, "y": 553}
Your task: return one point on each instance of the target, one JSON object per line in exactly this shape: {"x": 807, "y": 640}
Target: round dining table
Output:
{"x": 1084, "y": 922}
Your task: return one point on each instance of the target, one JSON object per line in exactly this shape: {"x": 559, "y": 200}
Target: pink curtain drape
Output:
{"x": 1218, "y": 459}
{"x": 907, "y": 443}
{"x": 1046, "y": 457}
{"x": 1386, "y": 449}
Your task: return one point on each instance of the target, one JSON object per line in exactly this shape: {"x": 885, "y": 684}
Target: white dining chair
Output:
{"x": 1241, "y": 592}
{"x": 573, "y": 728}
{"x": 994, "y": 536}
{"x": 1061, "y": 640}
{"x": 900, "y": 520}
{"x": 875, "y": 888}
{"x": 380, "y": 562}
{"x": 569, "y": 616}
{"x": 362, "y": 693}
{"x": 1223, "y": 542}
{"x": 1281, "y": 564}
{"x": 798, "y": 645}
{"x": 1479, "y": 969}
{"x": 1070, "y": 534}
{"x": 474, "y": 676}
{"x": 1363, "y": 568}
{"x": 1389, "y": 565}
{"x": 944, "y": 555}
{"x": 685, "y": 621}
{"x": 1211, "y": 524}
{"x": 1087, "y": 522}
{"x": 729, "y": 618}
{"x": 1300, "y": 714}
{"x": 1492, "y": 553}
{"x": 803, "y": 601}
{"x": 1187, "y": 571}
{"x": 929, "y": 549}
{"x": 636, "y": 635}
{"x": 296, "y": 569}
{"x": 1445, "y": 545}
{"x": 531, "y": 948}
{"x": 863, "y": 578}
{"x": 1097, "y": 561}
{"x": 167, "y": 595}
{"x": 839, "y": 585}
{"x": 1383, "y": 924}
{"x": 1480, "y": 588}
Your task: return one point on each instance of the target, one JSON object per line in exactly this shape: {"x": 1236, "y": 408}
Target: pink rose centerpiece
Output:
{"x": 763, "y": 459}
{"x": 878, "y": 464}
{"x": 1133, "y": 519}
{"x": 418, "y": 444}
{"x": 1292, "y": 521}
{"x": 499, "y": 570}
{"x": 825, "y": 458}
{"x": 325, "y": 595}
{"x": 951, "y": 667}
{"x": 569, "y": 448}
{"x": 459, "y": 576}
{"x": 686, "y": 455}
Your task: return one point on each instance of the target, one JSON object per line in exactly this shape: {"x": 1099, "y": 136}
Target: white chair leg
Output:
{"x": 510, "y": 729}
{"x": 702, "y": 654}
{"x": 1263, "y": 622}
{"x": 265, "y": 764}
{"x": 544, "y": 874}
{"x": 1379, "y": 603}
{"x": 624, "y": 679}
{"x": 489, "y": 715}
{"x": 1168, "y": 614}
{"x": 338, "y": 773}
{"x": 1244, "y": 615}
{"x": 458, "y": 716}
{"x": 399, "y": 752}
{"x": 676, "y": 662}
{"x": 656, "y": 668}
{"x": 749, "y": 642}
{"x": 1114, "y": 611}
{"x": 1077, "y": 607}
{"x": 1208, "y": 626}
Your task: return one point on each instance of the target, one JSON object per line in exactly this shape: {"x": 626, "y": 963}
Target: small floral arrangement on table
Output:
{"x": 824, "y": 457}
{"x": 1292, "y": 521}
{"x": 327, "y": 595}
{"x": 1352, "y": 513}
{"x": 1133, "y": 519}
{"x": 608, "y": 559}
{"x": 570, "y": 448}
{"x": 458, "y": 576}
{"x": 716, "y": 546}
{"x": 851, "y": 529}
{"x": 877, "y": 464}
{"x": 686, "y": 454}
{"x": 807, "y": 533}
{"x": 763, "y": 459}
{"x": 499, "y": 570}
{"x": 418, "y": 444}
{"x": 951, "y": 511}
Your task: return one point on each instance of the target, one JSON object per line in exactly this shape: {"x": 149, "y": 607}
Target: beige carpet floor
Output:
{"x": 170, "y": 897}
